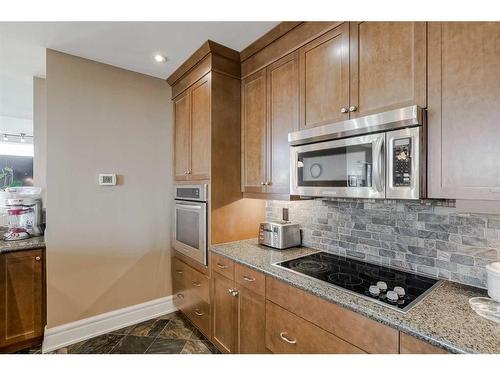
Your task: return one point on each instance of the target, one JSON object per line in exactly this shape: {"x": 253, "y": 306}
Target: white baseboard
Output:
{"x": 67, "y": 334}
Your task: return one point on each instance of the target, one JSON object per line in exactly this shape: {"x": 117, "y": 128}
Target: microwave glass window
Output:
{"x": 187, "y": 228}
{"x": 346, "y": 166}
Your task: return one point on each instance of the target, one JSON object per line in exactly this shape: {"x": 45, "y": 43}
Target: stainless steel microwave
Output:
{"x": 375, "y": 156}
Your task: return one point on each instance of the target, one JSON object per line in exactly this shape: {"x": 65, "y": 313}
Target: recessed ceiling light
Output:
{"x": 160, "y": 58}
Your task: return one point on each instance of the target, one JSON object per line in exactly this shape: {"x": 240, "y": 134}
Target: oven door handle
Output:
{"x": 187, "y": 205}
{"x": 378, "y": 168}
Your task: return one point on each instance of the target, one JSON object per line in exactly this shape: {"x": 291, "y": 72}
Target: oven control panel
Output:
{"x": 401, "y": 160}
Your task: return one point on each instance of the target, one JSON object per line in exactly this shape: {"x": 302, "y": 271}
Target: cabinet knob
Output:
{"x": 262, "y": 183}
{"x": 233, "y": 292}
{"x": 353, "y": 108}
{"x": 180, "y": 295}
{"x": 189, "y": 171}
{"x": 344, "y": 110}
{"x": 37, "y": 258}
{"x": 197, "y": 284}
{"x": 268, "y": 183}
{"x": 185, "y": 172}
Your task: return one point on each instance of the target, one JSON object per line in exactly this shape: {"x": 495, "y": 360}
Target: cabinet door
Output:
{"x": 253, "y": 96}
{"x": 182, "y": 113}
{"x": 464, "y": 110}
{"x": 224, "y": 312}
{"x": 200, "y": 130}
{"x": 251, "y": 322}
{"x": 324, "y": 78}
{"x": 283, "y": 118}
{"x": 21, "y": 296}
{"x": 387, "y": 66}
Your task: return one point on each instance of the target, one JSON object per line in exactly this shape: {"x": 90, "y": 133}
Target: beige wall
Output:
{"x": 107, "y": 247}
{"x": 40, "y": 135}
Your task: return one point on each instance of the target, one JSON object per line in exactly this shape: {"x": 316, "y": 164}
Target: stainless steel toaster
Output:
{"x": 280, "y": 235}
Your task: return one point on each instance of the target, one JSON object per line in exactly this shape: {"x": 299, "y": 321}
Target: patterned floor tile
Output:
{"x": 133, "y": 345}
{"x": 98, "y": 345}
{"x": 150, "y": 328}
{"x": 197, "y": 347}
{"x": 166, "y": 346}
{"x": 177, "y": 329}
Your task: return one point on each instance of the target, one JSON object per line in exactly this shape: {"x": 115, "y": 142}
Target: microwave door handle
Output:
{"x": 378, "y": 164}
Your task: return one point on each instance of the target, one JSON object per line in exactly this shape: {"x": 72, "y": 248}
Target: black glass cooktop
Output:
{"x": 358, "y": 276}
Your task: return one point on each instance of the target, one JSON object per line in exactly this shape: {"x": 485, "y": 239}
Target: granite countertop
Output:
{"x": 443, "y": 318}
{"x": 27, "y": 244}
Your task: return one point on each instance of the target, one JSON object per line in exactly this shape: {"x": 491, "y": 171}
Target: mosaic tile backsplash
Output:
{"x": 427, "y": 237}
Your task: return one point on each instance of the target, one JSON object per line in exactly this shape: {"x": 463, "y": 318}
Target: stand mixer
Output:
{"x": 21, "y": 208}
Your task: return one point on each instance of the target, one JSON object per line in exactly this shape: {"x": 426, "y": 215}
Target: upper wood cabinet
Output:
{"x": 22, "y": 306}
{"x": 324, "y": 78}
{"x": 192, "y": 132}
{"x": 254, "y": 132}
{"x": 387, "y": 66}
{"x": 361, "y": 68}
{"x": 464, "y": 110}
{"x": 270, "y": 110}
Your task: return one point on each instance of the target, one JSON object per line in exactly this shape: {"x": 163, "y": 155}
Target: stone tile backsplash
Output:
{"x": 427, "y": 237}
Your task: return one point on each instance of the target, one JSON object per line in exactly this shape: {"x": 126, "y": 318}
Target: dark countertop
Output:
{"x": 443, "y": 318}
{"x": 27, "y": 244}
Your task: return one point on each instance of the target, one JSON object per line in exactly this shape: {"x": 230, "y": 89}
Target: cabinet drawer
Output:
{"x": 412, "y": 345}
{"x": 198, "y": 311}
{"x": 367, "y": 334}
{"x": 222, "y": 265}
{"x": 186, "y": 278}
{"x": 287, "y": 333}
{"x": 251, "y": 279}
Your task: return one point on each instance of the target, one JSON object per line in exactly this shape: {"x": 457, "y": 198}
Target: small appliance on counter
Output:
{"x": 22, "y": 209}
{"x": 279, "y": 234}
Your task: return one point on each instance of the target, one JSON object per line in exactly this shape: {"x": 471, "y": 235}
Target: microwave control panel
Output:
{"x": 401, "y": 162}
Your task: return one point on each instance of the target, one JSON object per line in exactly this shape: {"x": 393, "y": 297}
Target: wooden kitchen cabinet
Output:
{"x": 192, "y": 132}
{"x": 464, "y": 110}
{"x": 22, "y": 299}
{"x": 270, "y": 110}
{"x": 238, "y": 307}
{"x": 387, "y": 66}
{"x": 224, "y": 313}
{"x": 254, "y": 132}
{"x": 324, "y": 78}
{"x": 411, "y": 345}
{"x": 182, "y": 114}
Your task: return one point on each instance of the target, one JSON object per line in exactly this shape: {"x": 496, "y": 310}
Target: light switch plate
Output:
{"x": 107, "y": 179}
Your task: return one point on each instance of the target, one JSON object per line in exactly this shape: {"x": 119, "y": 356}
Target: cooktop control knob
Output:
{"x": 382, "y": 286}
{"x": 392, "y": 296}
{"x": 374, "y": 290}
{"x": 400, "y": 291}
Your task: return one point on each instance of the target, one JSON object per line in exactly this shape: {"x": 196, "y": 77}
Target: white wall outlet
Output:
{"x": 107, "y": 179}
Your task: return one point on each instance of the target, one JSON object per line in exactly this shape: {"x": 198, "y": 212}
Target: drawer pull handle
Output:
{"x": 221, "y": 266}
{"x": 198, "y": 312}
{"x": 249, "y": 279}
{"x": 197, "y": 284}
{"x": 286, "y": 339}
{"x": 233, "y": 292}
{"x": 180, "y": 295}
{"x": 179, "y": 272}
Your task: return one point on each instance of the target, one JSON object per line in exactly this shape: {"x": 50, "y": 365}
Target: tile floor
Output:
{"x": 169, "y": 334}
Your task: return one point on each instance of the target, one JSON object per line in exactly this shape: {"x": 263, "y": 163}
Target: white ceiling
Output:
{"x": 129, "y": 45}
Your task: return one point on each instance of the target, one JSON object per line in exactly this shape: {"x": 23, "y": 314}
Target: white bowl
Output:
{"x": 493, "y": 270}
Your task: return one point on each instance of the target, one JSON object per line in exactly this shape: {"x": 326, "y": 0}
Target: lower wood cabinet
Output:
{"x": 411, "y": 345}
{"x": 286, "y": 333}
{"x": 22, "y": 299}
{"x": 238, "y": 308}
{"x": 191, "y": 294}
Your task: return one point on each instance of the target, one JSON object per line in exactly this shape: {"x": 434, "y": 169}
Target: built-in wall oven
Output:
{"x": 190, "y": 221}
{"x": 376, "y": 156}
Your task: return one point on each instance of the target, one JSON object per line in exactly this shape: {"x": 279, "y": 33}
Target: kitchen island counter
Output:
{"x": 443, "y": 318}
